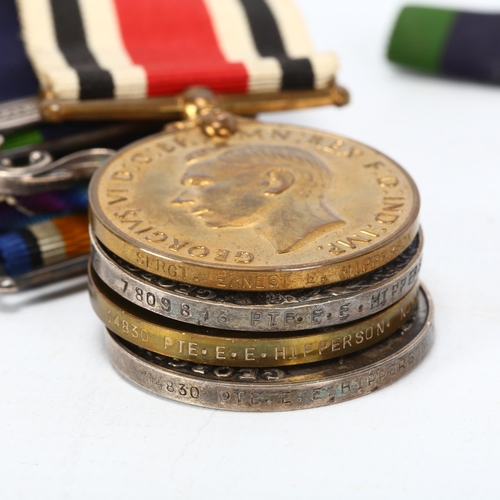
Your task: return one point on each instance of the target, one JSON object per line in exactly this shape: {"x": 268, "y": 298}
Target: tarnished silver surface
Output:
{"x": 266, "y": 311}
{"x": 19, "y": 113}
{"x": 273, "y": 389}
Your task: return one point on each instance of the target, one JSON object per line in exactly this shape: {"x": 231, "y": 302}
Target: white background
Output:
{"x": 70, "y": 427}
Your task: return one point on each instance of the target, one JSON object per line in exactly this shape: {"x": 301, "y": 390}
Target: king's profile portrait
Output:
{"x": 282, "y": 193}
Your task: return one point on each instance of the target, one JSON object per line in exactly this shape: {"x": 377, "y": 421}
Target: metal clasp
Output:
{"x": 44, "y": 174}
{"x": 34, "y": 168}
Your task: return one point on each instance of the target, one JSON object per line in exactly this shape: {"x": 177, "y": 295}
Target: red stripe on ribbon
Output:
{"x": 176, "y": 44}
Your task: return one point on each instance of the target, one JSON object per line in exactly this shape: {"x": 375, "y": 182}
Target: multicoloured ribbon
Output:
{"x": 42, "y": 206}
{"x": 88, "y": 49}
{"x": 451, "y": 42}
{"x": 44, "y": 243}
{"x": 20, "y": 213}
{"x": 42, "y": 228}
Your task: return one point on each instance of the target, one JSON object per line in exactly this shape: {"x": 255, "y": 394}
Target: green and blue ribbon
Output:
{"x": 448, "y": 42}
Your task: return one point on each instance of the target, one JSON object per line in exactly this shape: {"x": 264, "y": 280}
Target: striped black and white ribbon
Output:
{"x": 89, "y": 49}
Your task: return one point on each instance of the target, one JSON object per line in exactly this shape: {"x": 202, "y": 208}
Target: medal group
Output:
{"x": 236, "y": 264}
{"x": 217, "y": 293}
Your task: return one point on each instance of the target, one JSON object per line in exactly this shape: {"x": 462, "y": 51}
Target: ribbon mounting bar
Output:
{"x": 173, "y": 108}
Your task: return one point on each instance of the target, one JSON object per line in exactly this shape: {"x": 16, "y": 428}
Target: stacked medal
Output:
{"x": 256, "y": 267}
